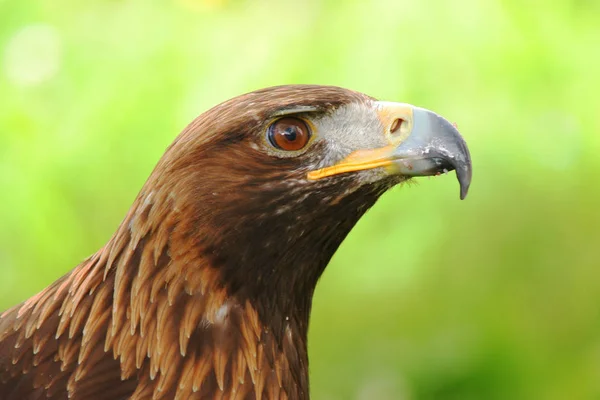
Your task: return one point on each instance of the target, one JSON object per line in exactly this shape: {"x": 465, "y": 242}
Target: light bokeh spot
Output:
{"x": 33, "y": 55}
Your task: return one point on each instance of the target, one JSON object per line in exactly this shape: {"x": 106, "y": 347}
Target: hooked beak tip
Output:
{"x": 434, "y": 146}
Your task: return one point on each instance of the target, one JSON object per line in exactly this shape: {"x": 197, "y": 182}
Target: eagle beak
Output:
{"x": 421, "y": 143}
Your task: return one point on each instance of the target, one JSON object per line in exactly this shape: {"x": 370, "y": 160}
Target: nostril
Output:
{"x": 396, "y": 125}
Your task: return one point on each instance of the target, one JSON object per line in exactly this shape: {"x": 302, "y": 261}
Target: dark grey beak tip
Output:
{"x": 464, "y": 170}
{"x": 463, "y": 174}
{"x": 433, "y": 147}
{"x": 457, "y": 153}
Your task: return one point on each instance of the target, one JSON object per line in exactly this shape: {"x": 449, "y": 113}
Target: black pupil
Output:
{"x": 290, "y": 133}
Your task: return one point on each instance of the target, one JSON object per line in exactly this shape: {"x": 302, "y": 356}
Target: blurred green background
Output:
{"x": 496, "y": 297}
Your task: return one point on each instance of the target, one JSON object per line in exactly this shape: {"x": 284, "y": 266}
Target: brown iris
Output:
{"x": 289, "y": 134}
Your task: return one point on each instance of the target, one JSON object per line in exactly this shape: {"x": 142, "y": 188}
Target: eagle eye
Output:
{"x": 289, "y": 134}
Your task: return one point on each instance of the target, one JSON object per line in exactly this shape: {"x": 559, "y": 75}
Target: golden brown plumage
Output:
{"x": 205, "y": 289}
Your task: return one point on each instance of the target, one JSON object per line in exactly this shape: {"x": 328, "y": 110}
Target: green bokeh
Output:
{"x": 496, "y": 297}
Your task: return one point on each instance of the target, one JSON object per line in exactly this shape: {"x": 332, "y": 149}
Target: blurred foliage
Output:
{"x": 496, "y": 297}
